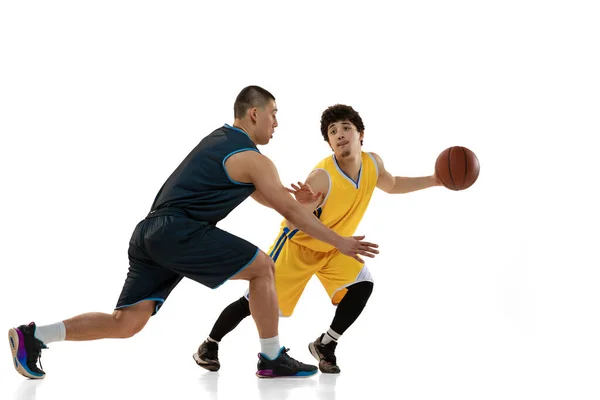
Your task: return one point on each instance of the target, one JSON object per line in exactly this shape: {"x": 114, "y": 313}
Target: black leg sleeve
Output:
{"x": 231, "y": 316}
{"x": 351, "y": 306}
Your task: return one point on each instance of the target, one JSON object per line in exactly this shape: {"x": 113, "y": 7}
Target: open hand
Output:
{"x": 304, "y": 193}
{"x": 354, "y": 247}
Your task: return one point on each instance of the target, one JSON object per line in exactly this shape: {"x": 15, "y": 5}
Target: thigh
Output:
{"x": 294, "y": 266}
{"x": 145, "y": 279}
{"x": 340, "y": 272}
{"x": 209, "y": 255}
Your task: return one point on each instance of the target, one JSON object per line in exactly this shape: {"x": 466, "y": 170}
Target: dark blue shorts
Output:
{"x": 168, "y": 246}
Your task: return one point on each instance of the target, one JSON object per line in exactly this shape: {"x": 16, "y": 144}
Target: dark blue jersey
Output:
{"x": 200, "y": 186}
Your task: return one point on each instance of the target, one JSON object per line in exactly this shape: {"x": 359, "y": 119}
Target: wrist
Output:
{"x": 337, "y": 241}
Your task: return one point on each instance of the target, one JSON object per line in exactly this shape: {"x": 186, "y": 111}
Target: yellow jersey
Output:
{"x": 345, "y": 202}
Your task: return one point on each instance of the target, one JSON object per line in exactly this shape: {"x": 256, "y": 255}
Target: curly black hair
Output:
{"x": 340, "y": 112}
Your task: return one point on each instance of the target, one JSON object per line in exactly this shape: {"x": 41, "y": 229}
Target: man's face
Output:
{"x": 344, "y": 138}
{"x": 266, "y": 122}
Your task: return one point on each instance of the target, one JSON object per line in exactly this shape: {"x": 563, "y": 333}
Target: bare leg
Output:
{"x": 264, "y": 307}
{"x": 123, "y": 323}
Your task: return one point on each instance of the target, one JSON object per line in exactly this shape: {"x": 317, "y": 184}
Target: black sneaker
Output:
{"x": 325, "y": 354}
{"x": 207, "y": 356}
{"x": 283, "y": 365}
{"x": 26, "y": 351}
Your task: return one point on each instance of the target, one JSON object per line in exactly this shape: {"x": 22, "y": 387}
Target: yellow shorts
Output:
{"x": 295, "y": 265}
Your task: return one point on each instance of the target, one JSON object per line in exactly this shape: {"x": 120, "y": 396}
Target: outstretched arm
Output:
{"x": 261, "y": 200}
{"x": 310, "y": 194}
{"x": 401, "y": 184}
{"x": 250, "y": 166}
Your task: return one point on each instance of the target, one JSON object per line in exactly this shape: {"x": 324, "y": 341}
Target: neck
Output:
{"x": 246, "y": 127}
{"x": 350, "y": 165}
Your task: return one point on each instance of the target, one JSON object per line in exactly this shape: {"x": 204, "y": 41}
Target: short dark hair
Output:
{"x": 340, "y": 112}
{"x": 250, "y": 96}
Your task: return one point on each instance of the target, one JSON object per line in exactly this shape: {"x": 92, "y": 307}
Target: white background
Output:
{"x": 490, "y": 293}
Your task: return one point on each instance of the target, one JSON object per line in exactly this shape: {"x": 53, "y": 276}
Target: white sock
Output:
{"x": 51, "y": 333}
{"x": 270, "y": 347}
{"x": 329, "y": 336}
{"x": 209, "y": 339}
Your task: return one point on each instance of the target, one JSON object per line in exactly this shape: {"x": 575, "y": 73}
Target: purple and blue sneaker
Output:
{"x": 26, "y": 351}
{"x": 283, "y": 366}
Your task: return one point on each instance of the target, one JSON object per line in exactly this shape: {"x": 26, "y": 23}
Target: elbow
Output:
{"x": 286, "y": 206}
{"x": 390, "y": 189}
{"x": 290, "y": 212}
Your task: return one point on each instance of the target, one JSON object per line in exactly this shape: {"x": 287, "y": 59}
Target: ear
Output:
{"x": 253, "y": 114}
{"x": 361, "y": 136}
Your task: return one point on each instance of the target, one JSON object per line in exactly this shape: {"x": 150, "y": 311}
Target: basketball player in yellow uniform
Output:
{"x": 338, "y": 190}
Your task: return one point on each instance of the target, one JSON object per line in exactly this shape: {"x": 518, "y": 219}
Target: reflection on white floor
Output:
{"x": 466, "y": 364}
{"x": 192, "y": 384}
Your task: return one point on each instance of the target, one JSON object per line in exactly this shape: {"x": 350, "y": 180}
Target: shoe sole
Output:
{"x": 268, "y": 374}
{"x": 315, "y": 354}
{"x": 14, "y": 342}
{"x": 208, "y": 366}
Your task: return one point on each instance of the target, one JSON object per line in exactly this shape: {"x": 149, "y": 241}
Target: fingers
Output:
{"x": 307, "y": 188}
{"x": 366, "y": 254}
{"x": 302, "y": 186}
{"x": 298, "y": 186}
{"x": 357, "y": 258}
{"x": 367, "y": 249}
{"x": 368, "y": 244}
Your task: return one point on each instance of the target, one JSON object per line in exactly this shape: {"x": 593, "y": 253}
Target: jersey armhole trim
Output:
{"x": 328, "y": 189}
{"x": 374, "y": 162}
{"x": 225, "y": 169}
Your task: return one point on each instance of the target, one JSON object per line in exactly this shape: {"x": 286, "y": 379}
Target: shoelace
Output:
{"x": 289, "y": 359}
{"x": 36, "y": 356}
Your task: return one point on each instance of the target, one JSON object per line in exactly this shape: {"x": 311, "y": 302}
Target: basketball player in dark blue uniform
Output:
{"x": 179, "y": 238}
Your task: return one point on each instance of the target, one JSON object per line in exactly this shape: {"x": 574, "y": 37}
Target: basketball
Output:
{"x": 457, "y": 168}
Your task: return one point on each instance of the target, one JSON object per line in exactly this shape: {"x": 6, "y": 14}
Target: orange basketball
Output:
{"x": 457, "y": 168}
